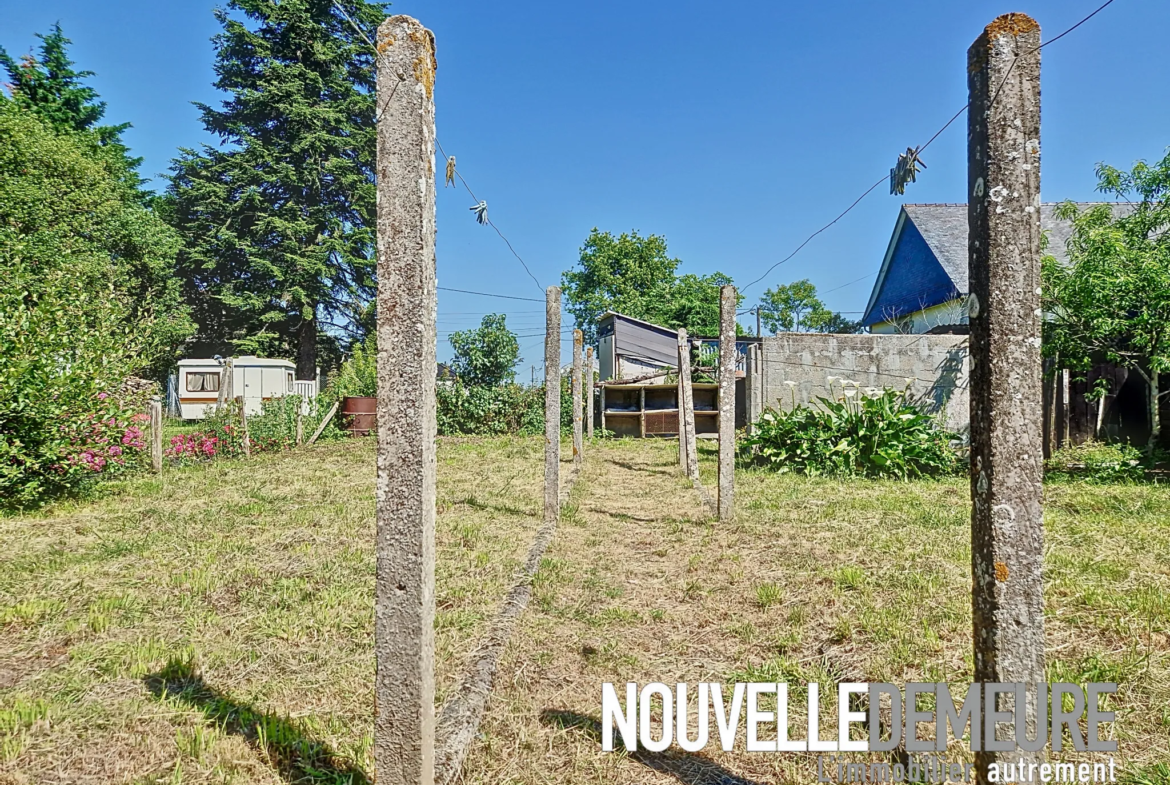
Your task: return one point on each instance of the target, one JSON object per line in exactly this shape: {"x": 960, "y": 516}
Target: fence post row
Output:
{"x": 578, "y": 380}
{"x": 727, "y": 304}
{"x": 1003, "y": 214}
{"x": 552, "y": 404}
{"x": 404, "y": 611}
{"x": 587, "y": 391}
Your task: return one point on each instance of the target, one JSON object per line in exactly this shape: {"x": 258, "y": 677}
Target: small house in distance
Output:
{"x": 638, "y": 366}
{"x": 922, "y": 283}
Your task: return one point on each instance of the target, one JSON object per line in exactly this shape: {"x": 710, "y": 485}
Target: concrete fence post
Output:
{"x": 552, "y": 404}
{"x": 687, "y": 406}
{"x": 587, "y": 391}
{"x": 1003, "y": 214}
{"x": 244, "y": 435}
{"x": 727, "y": 304}
{"x": 156, "y": 440}
{"x": 578, "y": 380}
{"x": 404, "y": 609}
{"x": 682, "y": 430}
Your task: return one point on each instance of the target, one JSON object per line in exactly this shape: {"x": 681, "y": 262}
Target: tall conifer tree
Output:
{"x": 48, "y": 86}
{"x": 278, "y": 220}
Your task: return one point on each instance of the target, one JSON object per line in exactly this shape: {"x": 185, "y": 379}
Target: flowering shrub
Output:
{"x": 870, "y": 432}
{"x": 192, "y": 446}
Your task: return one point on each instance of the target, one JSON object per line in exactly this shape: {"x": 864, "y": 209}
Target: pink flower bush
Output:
{"x": 99, "y": 444}
{"x": 193, "y": 445}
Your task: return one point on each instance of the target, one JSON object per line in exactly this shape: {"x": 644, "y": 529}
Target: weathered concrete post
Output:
{"x": 687, "y": 406}
{"x": 156, "y": 428}
{"x": 1003, "y": 214}
{"x": 682, "y": 430}
{"x": 552, "y": 404}
{"x": 245, "y": 436}
{"x": 727, "y": 303}
{"x": 578, "y": 380}
{"x": 404, "y": 609}
{"x": 587, "y": 391}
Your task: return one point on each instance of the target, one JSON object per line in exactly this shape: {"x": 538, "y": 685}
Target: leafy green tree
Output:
{"x": 278, "y": 220}
{"x": 1112, "y": 302}
{"x": 635, "y": 276}
{"x": 795, "y": 307}
{"x": 49, "y": 87}
{"x": 487, "y": 355}
{"x": 86, "y": 300}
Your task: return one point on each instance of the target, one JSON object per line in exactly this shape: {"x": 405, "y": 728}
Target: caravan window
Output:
{"x": 203, "y": 381}
{"x": 290, "y": 382}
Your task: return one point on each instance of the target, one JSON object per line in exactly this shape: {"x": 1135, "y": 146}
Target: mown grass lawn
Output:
{"x": 215, "y": 625}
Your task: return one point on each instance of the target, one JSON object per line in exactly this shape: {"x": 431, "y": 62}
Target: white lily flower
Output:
{"x": 850, "y": 392}
{"x": 790, "y": 383}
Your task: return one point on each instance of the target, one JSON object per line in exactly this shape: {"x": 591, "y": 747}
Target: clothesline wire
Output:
{"x": 928, "y": 142}
{"x": 489, "y": 294}
{"x": 490, "y": 222}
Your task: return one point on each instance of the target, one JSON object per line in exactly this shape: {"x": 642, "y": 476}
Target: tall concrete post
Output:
{"x": 404, "y": 608}
{"x": 727, "y": 303}
{"x": 1003, "y": 214}
{"x": 156, "y": 427}
{"x": 682, "y": 431}
{"x": 552, "y": 404}
{"x": 687, "y": 406}
{"x": 587, "y": 391}
{"x": 578, "y": 412}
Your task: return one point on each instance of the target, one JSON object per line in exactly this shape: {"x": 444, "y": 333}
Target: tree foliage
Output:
{"x": 1112, "y": 301}
{"x": 48, "y": 86}
{"x": 795, "y": 307}
{"x": 487, "y": 355}
{"x": 635, "y": 276}
{"x": 278, "y": 220}
{"x": 86, "y": 299}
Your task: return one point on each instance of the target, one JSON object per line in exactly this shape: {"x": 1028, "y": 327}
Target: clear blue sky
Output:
{"x": 733, "y": 129}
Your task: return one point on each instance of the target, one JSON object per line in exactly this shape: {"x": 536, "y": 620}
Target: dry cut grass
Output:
{"x": 215, "y": 626}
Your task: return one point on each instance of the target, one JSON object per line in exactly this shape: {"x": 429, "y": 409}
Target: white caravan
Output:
{"x": 257, "y": 379}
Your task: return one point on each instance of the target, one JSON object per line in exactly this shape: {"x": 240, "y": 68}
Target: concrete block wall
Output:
{"x": 938, "y": 364}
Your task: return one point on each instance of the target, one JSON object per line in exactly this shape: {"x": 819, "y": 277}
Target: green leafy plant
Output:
{"x": 869, "y": 433}
{"x": 486, "y": 355}
{"x": 1099, "y": 463}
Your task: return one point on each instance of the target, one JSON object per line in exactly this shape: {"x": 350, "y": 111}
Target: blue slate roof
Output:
{"x": 926, "y": 261}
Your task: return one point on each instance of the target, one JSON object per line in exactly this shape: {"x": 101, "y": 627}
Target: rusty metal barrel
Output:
{"x": 359, "y": 415}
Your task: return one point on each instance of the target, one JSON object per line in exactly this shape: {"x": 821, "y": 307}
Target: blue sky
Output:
{"x": 733, "y": 129}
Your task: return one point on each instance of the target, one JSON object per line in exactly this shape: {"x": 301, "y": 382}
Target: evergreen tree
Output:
{"x": 49, "y": 87}
{"x": 278, "y": 221}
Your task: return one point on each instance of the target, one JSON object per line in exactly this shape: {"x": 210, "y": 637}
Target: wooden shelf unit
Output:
{"x": 643, "y": 410}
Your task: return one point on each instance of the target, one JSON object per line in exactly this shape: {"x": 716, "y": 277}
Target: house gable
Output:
{"x": 911, "y": 278}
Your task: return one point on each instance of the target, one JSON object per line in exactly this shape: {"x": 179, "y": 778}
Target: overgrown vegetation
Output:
{"x": 862, "y": 432}
{"x": 1112, "y": 302}
{"x": 86, "y": 300}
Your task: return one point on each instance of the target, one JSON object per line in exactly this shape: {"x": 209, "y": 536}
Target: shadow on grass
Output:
{"x": 687, "y": 768}
{"x": 634, "y": 468}
{"x": 283, "y": 743}
{"x": 507, "y": 509}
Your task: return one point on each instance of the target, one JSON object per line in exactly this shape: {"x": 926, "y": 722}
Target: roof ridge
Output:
{"x": 964, "y": 204}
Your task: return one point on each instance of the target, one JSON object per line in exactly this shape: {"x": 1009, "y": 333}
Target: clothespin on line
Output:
{"x": 905, "y": 171}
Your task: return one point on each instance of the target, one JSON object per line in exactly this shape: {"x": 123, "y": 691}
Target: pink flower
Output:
{"x": 102, "y": 396}
{"x": 115, "y": 450}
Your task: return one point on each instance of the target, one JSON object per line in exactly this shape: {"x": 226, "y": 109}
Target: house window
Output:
{"x": 290, "y": 382}
{"x": 203, "y": 382}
